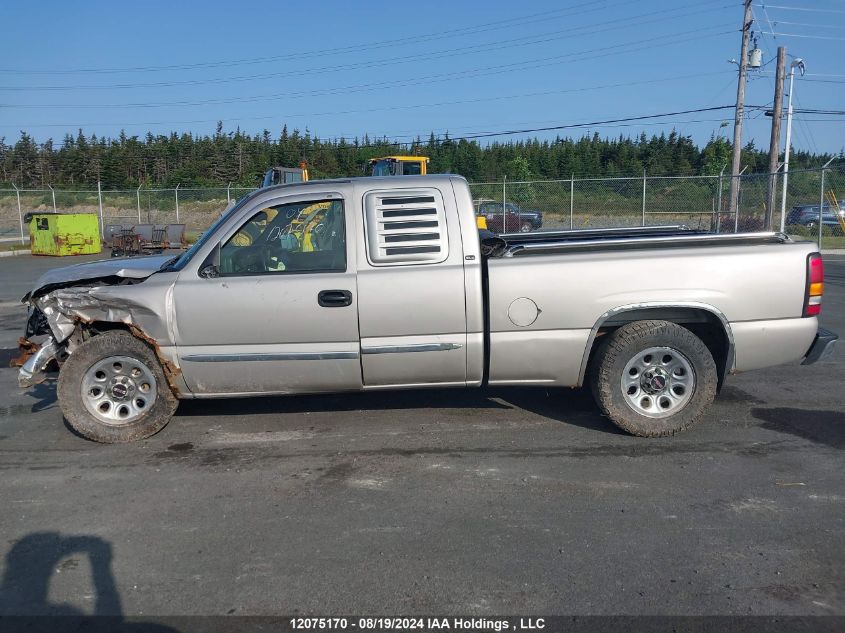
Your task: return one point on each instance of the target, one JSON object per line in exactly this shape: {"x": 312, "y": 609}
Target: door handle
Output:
{"x": 334, "y": 298}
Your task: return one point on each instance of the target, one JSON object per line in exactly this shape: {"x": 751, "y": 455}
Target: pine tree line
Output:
{"x": 241, "y": 159}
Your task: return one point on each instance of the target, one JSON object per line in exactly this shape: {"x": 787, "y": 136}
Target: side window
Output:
{"x": 405, "y": 226}
{"x": 411, "y": 169}
{"x": 289, "y": 238}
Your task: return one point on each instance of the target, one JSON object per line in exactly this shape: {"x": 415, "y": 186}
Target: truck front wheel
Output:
{"x": 112, "y": 389}
{"x": 653, "y": 378}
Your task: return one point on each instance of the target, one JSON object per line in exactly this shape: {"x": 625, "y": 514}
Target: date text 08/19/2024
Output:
{"x": 416, "y": 623}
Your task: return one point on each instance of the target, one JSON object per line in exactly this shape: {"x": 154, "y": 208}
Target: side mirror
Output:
{"x": 209, "y": 272}
{"x": 210, "y": 268}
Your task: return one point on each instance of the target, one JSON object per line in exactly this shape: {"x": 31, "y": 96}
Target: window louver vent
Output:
{"x": 406, "y": 228}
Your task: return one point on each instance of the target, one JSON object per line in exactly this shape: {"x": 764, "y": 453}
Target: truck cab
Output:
{"x": 284, "y": 175}
{"x": 399, "y": 166}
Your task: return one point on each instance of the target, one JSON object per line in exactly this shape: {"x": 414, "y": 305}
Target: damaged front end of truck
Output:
{"x": 70, "y": 305}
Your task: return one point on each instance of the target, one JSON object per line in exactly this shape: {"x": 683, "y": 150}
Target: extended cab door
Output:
{"x": 282, "y": 314}
{"x": 411, "y": 297}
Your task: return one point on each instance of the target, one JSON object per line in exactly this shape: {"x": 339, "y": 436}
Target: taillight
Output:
{"x": 815, "y": 285}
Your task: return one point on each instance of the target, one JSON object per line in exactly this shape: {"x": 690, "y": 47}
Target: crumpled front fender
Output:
{"x": 32, "y": 371}
{"x": 143, "y": 308}
{"x": 67, "y": 307}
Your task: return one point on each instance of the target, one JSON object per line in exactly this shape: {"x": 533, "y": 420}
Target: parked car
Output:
{"x": 808, "y": 215}
{"x": 518, "y": 220}
{"x": 386, "y": 283}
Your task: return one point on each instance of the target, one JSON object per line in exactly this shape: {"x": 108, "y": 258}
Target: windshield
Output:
{"x": 185, "y": 257}
{"x": 383, "y": 168}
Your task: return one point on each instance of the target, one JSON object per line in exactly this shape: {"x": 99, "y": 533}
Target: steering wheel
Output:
{"x": 251, "y": 259}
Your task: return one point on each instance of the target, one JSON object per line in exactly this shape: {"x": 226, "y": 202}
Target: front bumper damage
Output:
{"x": 36, "y": 357}
{"x": 66, "y": 317}
{"x": 822, "y": 347}
{"x": 32, "y": 372}
{"x": 70, "y": 304}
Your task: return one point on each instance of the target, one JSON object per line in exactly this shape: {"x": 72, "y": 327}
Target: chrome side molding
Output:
{"x": 404, "y": 349}
{"x": 249, "y": 358}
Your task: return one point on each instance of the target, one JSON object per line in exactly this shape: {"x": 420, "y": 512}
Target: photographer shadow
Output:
{"x": 30, "y": 566}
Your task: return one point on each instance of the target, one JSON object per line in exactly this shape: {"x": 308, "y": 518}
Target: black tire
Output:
{"x": 526, "y": 227}
{"x": 122, "y": 344}
{"x": 621, "y": 350}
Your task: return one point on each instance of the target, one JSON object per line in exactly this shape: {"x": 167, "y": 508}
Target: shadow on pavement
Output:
{"x": 34, "y": 559}
{"x": 822, "y": 427}
{"x": 45, "y": 394}
{"x": 567, "y": 406}
{"x": 6, "y": 356}
{"x": 31, "y": 564}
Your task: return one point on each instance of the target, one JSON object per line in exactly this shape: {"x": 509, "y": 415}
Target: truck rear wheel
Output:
{"x": 112, "y": 389}
{"x": 653, "y": 378}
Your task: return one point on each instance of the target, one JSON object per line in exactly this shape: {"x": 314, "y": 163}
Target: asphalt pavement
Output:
{"x": 464, "y": 502}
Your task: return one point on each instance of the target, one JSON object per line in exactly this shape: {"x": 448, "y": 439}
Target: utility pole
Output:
{"x": 796, "y": 63}
{"x": 774, "y": 142}
{"x": 740, "y": 106}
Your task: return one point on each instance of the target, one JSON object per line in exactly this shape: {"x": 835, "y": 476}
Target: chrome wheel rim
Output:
{"x": 658, "y": 382}
{"x": 118, "y": 390}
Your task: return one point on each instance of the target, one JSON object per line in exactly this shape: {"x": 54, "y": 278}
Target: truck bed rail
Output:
{"x": 582, "y": 234}
{"x": 638, "y": 238}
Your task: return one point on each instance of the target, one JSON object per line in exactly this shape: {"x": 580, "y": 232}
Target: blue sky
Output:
{"x": 401, "y": 69}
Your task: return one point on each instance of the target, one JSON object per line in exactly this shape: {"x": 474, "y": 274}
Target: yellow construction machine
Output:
{"x": 284, "y": 175}
{"x": 399, "y": 166}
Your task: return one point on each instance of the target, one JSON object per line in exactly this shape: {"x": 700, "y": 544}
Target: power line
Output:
{"x": 606, "y": 122}
{"x": 814, "y": 26}
{"x": 813, "y": 37}
{"x": 413, "y": 39}
{"x": 444, "y": 135}
{"x": 812, "y": 77}
{"x": 603, "y": 51}
{"x": 818, "y": 111}
{"x": 814, "y": 10}
{"x": 469, "y": 135}
{"x": 440, "y": 135}
{"x": 822, "y": 81}
{"x": 590, "y": 29}
{"x": 278, "y": 116}
{"x": 553, "y": 128}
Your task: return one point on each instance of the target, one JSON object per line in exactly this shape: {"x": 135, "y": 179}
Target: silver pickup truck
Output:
{"x": 386, "y": 283}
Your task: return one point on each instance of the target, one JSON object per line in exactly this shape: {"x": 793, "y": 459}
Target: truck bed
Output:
{"x": 677, "y": 236}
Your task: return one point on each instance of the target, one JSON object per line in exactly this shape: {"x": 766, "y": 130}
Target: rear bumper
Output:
{"x": 821, "y": 348}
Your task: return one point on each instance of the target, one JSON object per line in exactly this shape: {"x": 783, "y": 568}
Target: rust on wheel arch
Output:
{"x": 171, "y": 371}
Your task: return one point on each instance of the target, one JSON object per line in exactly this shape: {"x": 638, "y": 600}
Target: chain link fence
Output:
{"x": 811, "y": 210}
{"x": 196, "y": 208}
{"x": 814, "y": 207}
